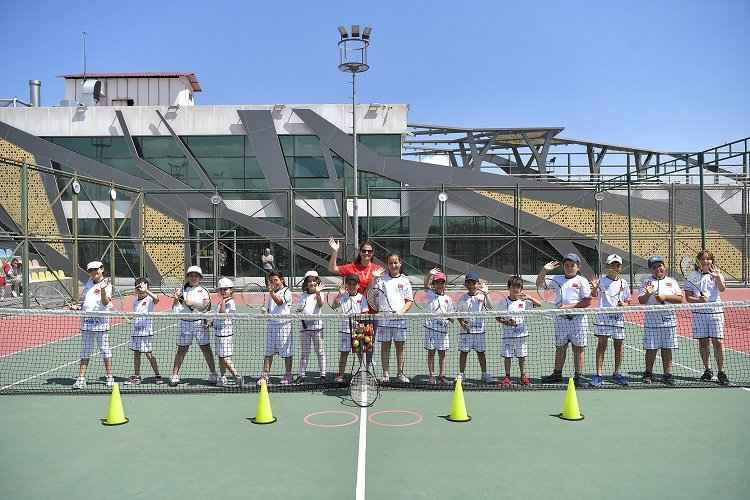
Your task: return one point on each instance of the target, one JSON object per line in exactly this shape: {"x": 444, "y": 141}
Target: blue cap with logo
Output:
{"x": 653, "y": 260}
{"x": 572, "y": 257}
{"x": 472, "y": 277}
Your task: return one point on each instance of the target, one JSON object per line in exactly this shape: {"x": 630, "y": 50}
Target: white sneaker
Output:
{"x": 460, "y": 376}
{"x": 486, "y": 377}
{"x": 110, "y": 382}
{"x": 14, "y": 293}
{"x": 403, "y": 378}
{"x": 174, "y": 380}
{"x": 213, "y": 378}
{"x": 239, "y": 381}
{"x": 221, "y": 382}
{"x": 80, "y": 384}
{"x": 386, "y": 377}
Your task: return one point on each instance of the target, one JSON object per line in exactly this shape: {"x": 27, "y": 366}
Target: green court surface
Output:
{"x": 669, "y": 443}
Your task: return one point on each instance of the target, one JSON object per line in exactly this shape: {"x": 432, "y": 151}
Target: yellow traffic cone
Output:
{"x": 263, "y": 415}
{"x": 458, "y": 410}
{"x": 570, "y": 410}
{"x": 115, "y": 415}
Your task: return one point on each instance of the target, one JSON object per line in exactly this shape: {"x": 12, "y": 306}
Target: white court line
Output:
{"x": 70, "y": 363}
{"x": 362, "y": 454}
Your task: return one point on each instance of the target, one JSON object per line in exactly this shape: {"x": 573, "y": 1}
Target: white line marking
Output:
{"x": 362, "y": 454}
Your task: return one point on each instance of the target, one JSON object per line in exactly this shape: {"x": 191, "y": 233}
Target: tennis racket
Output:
{"x": 118, "y": 303}
{"x": 333, "y": 298}
{"x": 421, "y": 299}
{"x": 50, "y": 297}
{"x": 254, "y": 296}
{"x": 363, "y": 388}
{"x": 373, "y": 299}
{"x": 550, "y": 292}
{"x": 195, "y": 299}
{"x": 612, "y": 287}
{"x": 169, "y": 283}
{"x": 492, "y": 298}
{"x": 690, "y": 269}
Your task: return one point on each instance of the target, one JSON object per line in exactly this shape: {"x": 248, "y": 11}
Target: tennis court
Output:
{"x": 632, "y": 444}
{"x": 196, "y": 440}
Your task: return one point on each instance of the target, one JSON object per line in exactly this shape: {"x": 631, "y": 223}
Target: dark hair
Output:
{"x": 279, "y": 274}
{"x": 393, "y": 254}
{"x": 307, "y": 280}
{"x": 515, "y": 280}
{"x": 358, "y": 258}
{"x": 138, "y": 281}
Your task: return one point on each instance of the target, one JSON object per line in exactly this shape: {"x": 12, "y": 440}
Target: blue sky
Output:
{"x": 667, "y": 75}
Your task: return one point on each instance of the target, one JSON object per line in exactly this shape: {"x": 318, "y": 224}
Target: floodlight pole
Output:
{"x": 353, "y": 59}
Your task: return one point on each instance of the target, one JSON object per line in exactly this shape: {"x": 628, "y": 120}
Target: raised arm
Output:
{"x": 550, "y": 266}
{"x": 332, "y": 266}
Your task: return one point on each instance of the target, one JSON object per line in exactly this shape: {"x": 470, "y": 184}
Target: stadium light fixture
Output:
{"x": 353, "y": 59}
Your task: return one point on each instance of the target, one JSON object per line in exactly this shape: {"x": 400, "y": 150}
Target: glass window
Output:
{"x": 221, "y": 146}
{"x": 385, "y": 145}
{"x": 305, "y": 166}
{"x": 307, "y": 145}
{"x": 164, "y": 147}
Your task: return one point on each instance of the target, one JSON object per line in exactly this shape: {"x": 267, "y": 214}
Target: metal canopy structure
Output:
{"x": 529, "y": 151}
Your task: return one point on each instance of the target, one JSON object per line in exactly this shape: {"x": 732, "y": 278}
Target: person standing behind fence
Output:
{"x": 310, "y": 302}
{"x": 436, "y": 328}
{"x": 267, "y": 263}
{"x": 515, "y": 329}
{"x": 141, "y": 338}
{"x": 224, "y": 332}
{"x": 659, "y": 327}
{"x": 194, "y": 297}
{"x": 279, "y": 332}
{"x": 351, "y": 303}
{"x": 472, "y": 335}
{"x": 14, "y": 277}
{"x": 708, "y": 323}
{"x": 96, "y": 297}
{"x": 396, "y": 298}
{"x": 615, "y": 292}
{"x": 363, "y": 266}
{"x": 574, "y": 292}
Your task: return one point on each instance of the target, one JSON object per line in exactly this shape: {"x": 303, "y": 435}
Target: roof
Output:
{"x": 142, "y": 74}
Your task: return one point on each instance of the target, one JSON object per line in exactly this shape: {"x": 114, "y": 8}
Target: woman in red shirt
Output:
{"x": 363, "y": 266}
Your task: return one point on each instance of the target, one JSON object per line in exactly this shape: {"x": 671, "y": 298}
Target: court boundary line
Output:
{"x": 361, "y": 455}
{"x": 94, "y": 355}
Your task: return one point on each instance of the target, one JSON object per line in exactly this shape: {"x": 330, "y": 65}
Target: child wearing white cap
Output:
{"x": 224, "y": 332}
{"x": 96, "y": 297}
{"x": 615, "y": 293}
{"x": 194, "y": 297}
{"x": 311, "y": 334}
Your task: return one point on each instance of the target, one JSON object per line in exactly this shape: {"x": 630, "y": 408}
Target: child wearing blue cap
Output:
{"x": 574, "y": 292}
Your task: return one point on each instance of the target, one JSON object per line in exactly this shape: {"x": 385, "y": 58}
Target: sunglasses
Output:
{"x": 365, "y": 251}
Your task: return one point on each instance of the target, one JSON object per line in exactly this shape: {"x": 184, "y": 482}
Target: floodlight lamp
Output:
{"x": 366, "y": 33}
{"x": 343, "y": 32}
{"x": 355, "y": 30}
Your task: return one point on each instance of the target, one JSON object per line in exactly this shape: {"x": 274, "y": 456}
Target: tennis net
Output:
{"x": 40, "y": 351}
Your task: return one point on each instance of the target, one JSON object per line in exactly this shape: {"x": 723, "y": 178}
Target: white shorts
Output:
{"x": 616, "y": 332}
{"x": 664, "y": 337}
{"x": 515, "y": 347}
{"x": 189, "y": 330}
{"x": 224, "y": 346}
{"x": 469, "y": 341}
{"x": 572, "y": 330}
{"x": 279, "y": 340}
{"x": 388, "y": 334}
{"x": 709, "y": 325}
{"x": 141, "y": 343}
{"x": 87, "y": 343}
{"x": 435, "y": 340}
{"x": 345, "y": 342}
